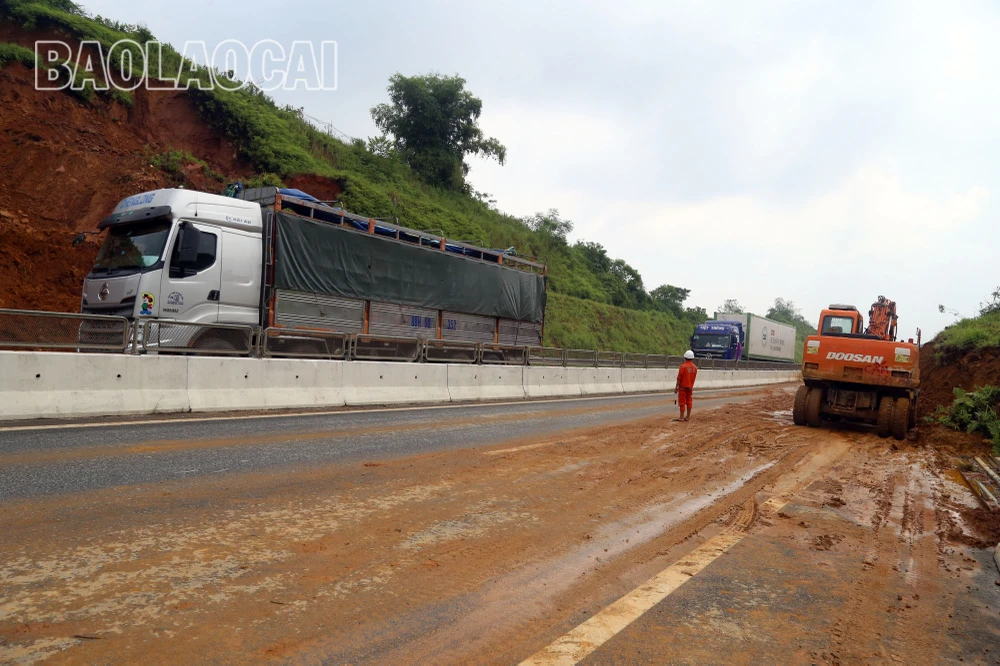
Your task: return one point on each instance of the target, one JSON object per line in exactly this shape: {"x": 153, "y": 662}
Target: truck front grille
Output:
{"x": 121, "y": 311}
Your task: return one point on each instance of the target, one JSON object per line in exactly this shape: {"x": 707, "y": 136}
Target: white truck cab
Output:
{"x": 179, "y": 255}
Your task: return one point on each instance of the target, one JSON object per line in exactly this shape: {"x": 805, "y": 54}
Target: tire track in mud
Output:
{"x": 897, "y": 566}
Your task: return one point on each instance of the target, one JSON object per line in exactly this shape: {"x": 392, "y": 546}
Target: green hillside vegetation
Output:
{"x": 972, "y": 332}
{"x": 786, "y": 312}
{"x": 595, "y": 301}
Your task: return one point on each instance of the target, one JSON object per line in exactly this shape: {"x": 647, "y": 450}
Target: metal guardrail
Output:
{"x": 551, "y": 356}
{"x": 301, "y": 343}
{"x": 451, "y": 351}
{"x": 372, "y": 348}
{"x": 190, "y": 338}
{"x": 580, "y": 358}
{"x": 635, "y": 360}
{"x": 503, "y": 355}
{"x": 36, "y": 330}
{"x": 29, "y": 329}
{"x": 656, "y": 360}
{"x": 606, "y": 359}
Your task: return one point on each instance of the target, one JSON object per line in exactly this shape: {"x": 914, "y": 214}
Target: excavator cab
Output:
{"x": 840, "y": 320}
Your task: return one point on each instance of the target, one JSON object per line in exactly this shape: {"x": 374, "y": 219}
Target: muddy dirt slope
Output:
{"x": 941, "y": 373}
{"x": 65, "y": 163}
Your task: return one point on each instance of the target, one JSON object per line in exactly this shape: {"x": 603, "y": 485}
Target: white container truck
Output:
{"x": 744, "y": 336}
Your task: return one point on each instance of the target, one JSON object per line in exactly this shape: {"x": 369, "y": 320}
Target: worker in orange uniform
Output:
{"x": 684, "y": 388}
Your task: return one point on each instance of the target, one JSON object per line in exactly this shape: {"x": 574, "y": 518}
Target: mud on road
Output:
{"x": 489, "y": 554}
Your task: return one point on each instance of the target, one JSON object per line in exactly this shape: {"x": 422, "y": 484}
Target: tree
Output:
{"x": 991, "y": 305}
{"x": 550, "y": 224}
{"x": 434, "y": 124}
{"x": 595, "y": 256}
{"x": 731, "y": 306}
{"x": 668, "y": 298}
{"x": 784, "y": 311}
{"x": 627, "y": 290}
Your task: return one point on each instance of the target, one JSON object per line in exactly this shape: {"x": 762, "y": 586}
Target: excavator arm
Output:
{"x": 882, "y": 319}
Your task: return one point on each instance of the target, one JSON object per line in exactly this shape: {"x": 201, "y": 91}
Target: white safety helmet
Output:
{"x": 689, "y": 354}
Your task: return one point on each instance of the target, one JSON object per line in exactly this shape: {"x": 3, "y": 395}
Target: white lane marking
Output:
{"x": 240, "y": 417}
{"x": 583, "y": 640}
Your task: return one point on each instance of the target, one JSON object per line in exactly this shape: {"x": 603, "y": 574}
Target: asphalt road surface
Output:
{"x": 54, "y": 459}
{"x": 596, "y": 531}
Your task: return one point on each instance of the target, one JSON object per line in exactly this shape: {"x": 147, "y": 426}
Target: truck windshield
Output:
{"x": 710, "y": 340}
{"x": 132, "y": 246}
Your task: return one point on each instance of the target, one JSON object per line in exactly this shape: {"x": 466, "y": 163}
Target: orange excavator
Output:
{"x": 854, "y": 373}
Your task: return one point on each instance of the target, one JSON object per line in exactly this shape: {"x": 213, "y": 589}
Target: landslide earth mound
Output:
{"x": 65, "y": 164}
{"x": 941, "y": 371}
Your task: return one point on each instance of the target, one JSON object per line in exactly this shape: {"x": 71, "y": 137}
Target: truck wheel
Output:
{"x": 901, "y": 418}
{"x": 814, "y": 400}
{"x": 886, "y": 406}
{"x": 799, "y": 406}
{"x": 215, "y": 344}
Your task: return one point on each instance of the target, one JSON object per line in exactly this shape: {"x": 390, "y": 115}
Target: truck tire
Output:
{"x": 901, "y": 418}
{"x": 886, "y": 406}
{"x": 215, "y": 344}
{"x": 814, "y": 400}
{"x": 799, "y": 406}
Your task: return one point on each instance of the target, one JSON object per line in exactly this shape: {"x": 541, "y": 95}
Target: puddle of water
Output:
{"x": 955, "y": 476}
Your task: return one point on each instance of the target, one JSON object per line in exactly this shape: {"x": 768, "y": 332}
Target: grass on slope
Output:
{"x": 972, "y": 333}
{"x": 575, "y": 323}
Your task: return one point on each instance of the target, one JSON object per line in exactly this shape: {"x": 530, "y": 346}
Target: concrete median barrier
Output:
{"x": 59, "y": 385}
{"x": 485, "y": 382}
{"x": 641, "y": 380}
{"x": 301, "y": 383}
{"x": 54, "y": 384}
{"x": 163, "y": 383}
{"x": 542, "y": 382}
{"x": 226, "y": 383}
{"x": 600, "y": 381}
{"x": 376, "y": 383}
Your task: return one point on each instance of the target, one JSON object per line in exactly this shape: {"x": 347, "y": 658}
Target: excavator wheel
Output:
{"x": 901, "y": 418}
{"x": 913, "y": 414}
{"x": 814, "y": 400}
{"x": 886, "y": 406}
{"x": 799, "y": 406}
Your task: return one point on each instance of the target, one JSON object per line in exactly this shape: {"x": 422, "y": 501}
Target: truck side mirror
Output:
{"x": 190, "y": 241}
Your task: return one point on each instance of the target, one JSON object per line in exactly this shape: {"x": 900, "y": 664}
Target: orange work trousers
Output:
{"x": 684, "y": 396}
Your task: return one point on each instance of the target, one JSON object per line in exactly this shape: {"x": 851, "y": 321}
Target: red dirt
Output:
{"x": 65, "y": 164}
{"x": 325, "y": 189}
{"x": 968, "y": 370}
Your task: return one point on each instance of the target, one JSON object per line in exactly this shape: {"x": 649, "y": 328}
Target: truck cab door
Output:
{"x": 191, "y": 282}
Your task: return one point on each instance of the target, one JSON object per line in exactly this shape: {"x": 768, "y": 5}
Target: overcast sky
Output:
{"x": 817, "y": 151}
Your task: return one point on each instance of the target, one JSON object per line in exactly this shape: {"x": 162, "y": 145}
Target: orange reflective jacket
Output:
{"x": 686, "y": 374}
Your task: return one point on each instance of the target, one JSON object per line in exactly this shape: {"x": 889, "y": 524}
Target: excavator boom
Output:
{"x": 882, "y": 319}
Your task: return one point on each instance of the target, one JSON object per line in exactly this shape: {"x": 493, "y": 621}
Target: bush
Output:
{"x": 974, "y": 411}
{"x": 173, "y": 163}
